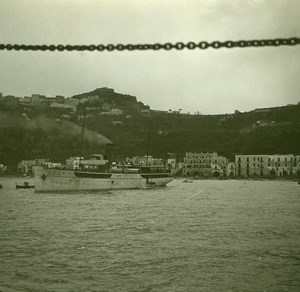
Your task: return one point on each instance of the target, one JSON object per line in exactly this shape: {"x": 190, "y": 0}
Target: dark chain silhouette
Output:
{"x": 167, "y": 46}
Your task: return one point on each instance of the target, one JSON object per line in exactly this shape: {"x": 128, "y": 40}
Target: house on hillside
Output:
{"x": 106, "y": 106}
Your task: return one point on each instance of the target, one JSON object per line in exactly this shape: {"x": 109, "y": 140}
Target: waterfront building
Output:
{"x": 265, "y": 165}
{"x": 73, "y": 162}
{"x": 296, "y": 166}
{"x": 230, "y": 169}
{"x": 281, "y": 164}
{"x": 171, "y": 163}
{"x": 251, "y": 165}
{"x": 52, "y": 164}
{"x": 145, "y": 160}
{"x": 26, "y": 166}
{"x": 3, "y": 169}
{"x": 204, "y": 164}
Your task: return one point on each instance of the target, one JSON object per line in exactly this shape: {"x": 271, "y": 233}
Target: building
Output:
{"x": 37, "y": 98}
{"x": 116, "y": 111}
{"x": 60, "y": 98}
{"x": 72, "y": 101}
{"x": 296, "y": 166}
{"x": 204, "y": 164}
{"x": 230, "y": 169}
{"x": 263, "y": 124}
{"x": 73, "y": 162}
{"x": 26, "y": 166}
{"x": 266, "y": 165}
{"x": 27, "y": 99}
{"x": 93, "y": 98}
{"x": 63, "y": 106}
{"x": 171, "y": 163}
{"x": 282, "y": 165}
{"x": 3, "y": 169}
{"x": 105, "y": 106}
{"x": 53, "y": 164}
{"x": 251, "y": 165}
{"x": 144, "y": 160}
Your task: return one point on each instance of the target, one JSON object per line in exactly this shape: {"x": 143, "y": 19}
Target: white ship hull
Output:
{"x": 57, "y": 180}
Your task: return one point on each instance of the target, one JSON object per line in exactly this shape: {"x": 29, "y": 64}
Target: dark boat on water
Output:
{"x": 26, "y": 185}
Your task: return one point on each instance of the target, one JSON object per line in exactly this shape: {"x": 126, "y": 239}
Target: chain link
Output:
{"x": 146, "y": 47}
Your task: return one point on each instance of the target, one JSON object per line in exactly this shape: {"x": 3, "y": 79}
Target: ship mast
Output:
{"x": 149, "y": 137}
{"x": 82, "y": 135}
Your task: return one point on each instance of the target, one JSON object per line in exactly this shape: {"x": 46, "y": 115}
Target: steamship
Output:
{"x": 96, "y": 174}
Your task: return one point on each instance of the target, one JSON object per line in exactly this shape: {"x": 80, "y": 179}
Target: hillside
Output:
{"x": 102, "y": 96}
{"x": 28, "y": 132}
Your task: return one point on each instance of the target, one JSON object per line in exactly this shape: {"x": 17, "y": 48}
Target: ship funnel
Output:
{"x": 109, "y": 152}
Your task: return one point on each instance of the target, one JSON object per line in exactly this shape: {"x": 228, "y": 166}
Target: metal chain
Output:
{"x": 146, "y": 47}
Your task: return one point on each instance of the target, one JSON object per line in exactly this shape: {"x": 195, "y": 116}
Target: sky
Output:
{"x": 209, "y": 81}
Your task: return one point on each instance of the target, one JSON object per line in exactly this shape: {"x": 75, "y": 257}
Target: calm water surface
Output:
{"x": 200, "y": 236}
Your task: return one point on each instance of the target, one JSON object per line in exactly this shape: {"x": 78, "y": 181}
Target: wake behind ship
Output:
{"x": 97, "y": 174}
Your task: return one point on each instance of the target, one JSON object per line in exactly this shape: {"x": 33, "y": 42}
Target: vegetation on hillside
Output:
{"x": 28, "y": 132}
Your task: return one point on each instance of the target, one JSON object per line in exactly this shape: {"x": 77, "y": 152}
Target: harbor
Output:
{"x": 244, "y": 234}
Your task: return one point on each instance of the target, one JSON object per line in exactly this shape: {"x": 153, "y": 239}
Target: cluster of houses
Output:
{"x": 40, "y": 101}
{"x": 213, "y": 165}
{"x": 206, "y": 165}
{"x": 60, "y": 102}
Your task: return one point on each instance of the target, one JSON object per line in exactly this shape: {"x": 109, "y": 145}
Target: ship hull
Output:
{"x": 57, "y": 180}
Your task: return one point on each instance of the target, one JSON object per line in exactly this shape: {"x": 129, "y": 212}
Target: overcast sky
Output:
{"x": 208, "y": 81}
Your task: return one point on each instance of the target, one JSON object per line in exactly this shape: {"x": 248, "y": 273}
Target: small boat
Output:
{"x": 187, "y": 181}
{"x": 26, "y": 185}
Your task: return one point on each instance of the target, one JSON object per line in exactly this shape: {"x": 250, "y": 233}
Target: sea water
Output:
{"x": 207, "y": 235}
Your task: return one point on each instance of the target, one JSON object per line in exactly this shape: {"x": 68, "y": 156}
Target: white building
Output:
{"x": 73, "y": 162}
{"x": 53, "y": 164}
{"x": 265, "y": 165}
{"x": 204, "y": 164}
{"x": 144, "y": 160}
{"x": 62, "y": 105}
{"x": 3, "y": 169}
{"x": 171, "y": 163}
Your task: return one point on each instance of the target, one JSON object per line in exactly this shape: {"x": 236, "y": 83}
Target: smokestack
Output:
{"x": 109, "y": 152}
